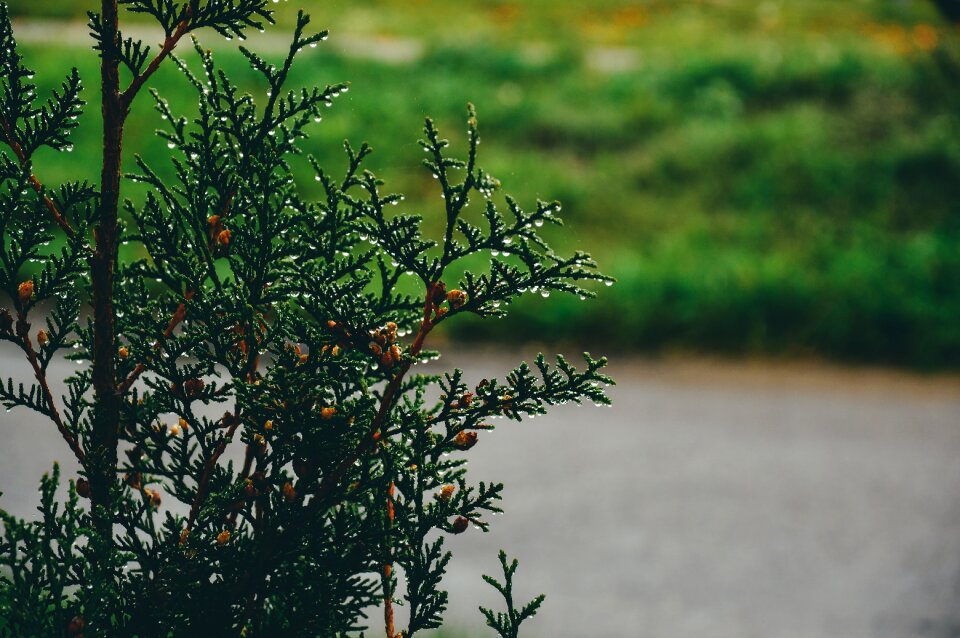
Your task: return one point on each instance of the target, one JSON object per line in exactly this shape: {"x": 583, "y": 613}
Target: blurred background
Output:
{"x": 762, "y": 177}
{"x": 773, "y": 184}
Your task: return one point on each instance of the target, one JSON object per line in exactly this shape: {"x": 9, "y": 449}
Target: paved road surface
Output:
{"x": 713, "y": 501}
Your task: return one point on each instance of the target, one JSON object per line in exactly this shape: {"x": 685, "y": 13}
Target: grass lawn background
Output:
{"x": 776, "y": 177}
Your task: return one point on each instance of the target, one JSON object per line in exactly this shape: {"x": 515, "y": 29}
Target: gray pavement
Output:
{"x": 714, "y": 500}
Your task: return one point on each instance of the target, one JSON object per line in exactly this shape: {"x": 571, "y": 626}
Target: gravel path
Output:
{"x": 713, "y": 501}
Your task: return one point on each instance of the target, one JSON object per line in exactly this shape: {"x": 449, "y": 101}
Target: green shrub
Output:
{"x": 244, "y": 310}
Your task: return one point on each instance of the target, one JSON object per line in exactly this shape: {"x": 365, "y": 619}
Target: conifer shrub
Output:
{"x": 253, "y": 318}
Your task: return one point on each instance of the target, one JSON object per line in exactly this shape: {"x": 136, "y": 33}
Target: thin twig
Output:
{"x": 168, "y": 45}
{"x": 386, "y": 403}
{"x": 41, "y": 377}
{"x": 178, "y": 316}
{"x": 208, "y": 470}
{"x": 58, "y": 217}
{"x": 388, "y": 572}
{"x": 202, "y": 491}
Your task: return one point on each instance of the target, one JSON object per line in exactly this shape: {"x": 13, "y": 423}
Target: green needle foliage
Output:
{"x": 507, "y": 625}
{"x": 289, "y": 329}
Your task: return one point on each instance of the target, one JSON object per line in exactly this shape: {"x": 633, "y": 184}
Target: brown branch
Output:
{"x": 388, "y": 573}
{"x": 34, "y": 182}
{"x": 168, "y": 45}
{"x": 244, "y": 474}
{"x": 41, "y": 377}
{"x": 370, "y": 439}
{"x": 252, "y": 365}
{"x": 105, "y": 429}
{"x": 386, "y": 402}
{"x": 208, "y": 470}
{"x": 178, "y": 315}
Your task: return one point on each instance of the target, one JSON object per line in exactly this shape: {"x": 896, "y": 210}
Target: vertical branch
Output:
{"x": 103, "y": 452}
{"x": 388, "y": 570}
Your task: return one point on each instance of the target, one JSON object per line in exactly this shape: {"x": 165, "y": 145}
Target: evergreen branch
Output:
{"x": 178, "y": 315}
{"x": 507, "y": 625}
{"x": 169, "y": 43}
{"x": 331, "y": 480}
{"x": 232, "y": 422}
{"x": 48, "y": 203}
{"x": 39, "y": 372}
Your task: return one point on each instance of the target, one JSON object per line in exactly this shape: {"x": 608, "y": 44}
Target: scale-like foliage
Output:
{"x": 257, "y": 321}
{"x": 507, "y": 624}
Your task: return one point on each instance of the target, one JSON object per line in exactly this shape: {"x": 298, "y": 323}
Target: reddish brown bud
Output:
{"x": 133, "y": 480}
{"x": 223, "y": 237}
{"x": 446, "y": 492}
{"x": 289, "y": 494}
{"x": 438, "y": 293}
{"x": 76, "y": 626}
{"x": 42, "y": 337}
{"x": 223, "y": 537}
{"x": 460, "y": 525}
{"x": 193, "y": 387}
{"x": 153, "y": 497}
{"x": 327, "y": 413}
{"x": 213, "y": 220}
{"x": 25, "y": 291}
{"x": 465, "y": 440}
{"x": 82, "y": 488}
{"x": 456, "y": 298}
{"x": 123, "y": 352}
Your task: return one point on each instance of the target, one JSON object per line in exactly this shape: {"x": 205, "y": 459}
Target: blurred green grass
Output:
{"x": 777, "y": 177}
